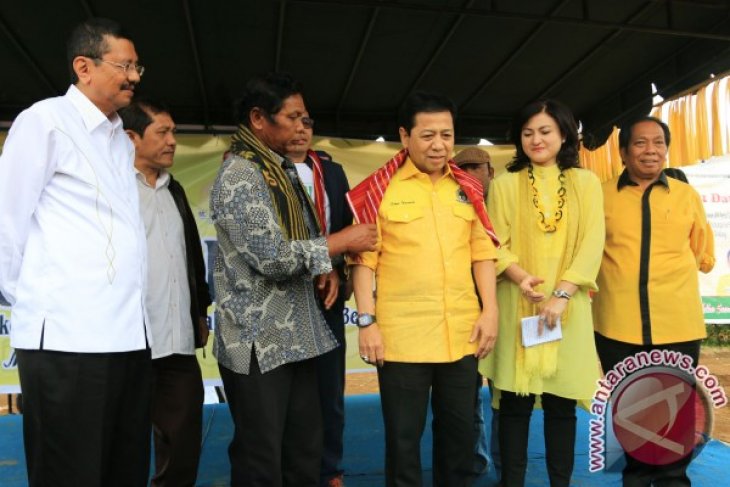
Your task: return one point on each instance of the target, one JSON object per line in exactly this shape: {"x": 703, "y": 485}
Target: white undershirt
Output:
{"x": 306, "y": 175}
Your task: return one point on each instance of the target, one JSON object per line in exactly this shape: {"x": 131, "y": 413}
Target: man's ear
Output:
{"x": 257, "y": 118}
{"x": 404, "y": 136}
{"x": 623, "y": 154}
{"x": 82, "y": 67}
{"x": 134, "y": 137}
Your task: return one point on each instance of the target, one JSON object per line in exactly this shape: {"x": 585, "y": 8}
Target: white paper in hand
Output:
{"x": 530, "y": 338}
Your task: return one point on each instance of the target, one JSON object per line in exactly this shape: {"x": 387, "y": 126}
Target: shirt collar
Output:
{"x": 90, "y": 113}
{"x": 409, "y": 170}
{"x": 625, "y": 180}
{"x": 283, "y": 161}
{"x": 163, "y": 179}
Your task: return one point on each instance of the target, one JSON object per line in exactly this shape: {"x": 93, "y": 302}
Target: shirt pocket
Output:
{"x": 456, "y": 228}
{"x": 404, "y": 214}
{"x": 404, "y": 226}
{"x": 464, "y": 212}
{"x": 671, "y": 228}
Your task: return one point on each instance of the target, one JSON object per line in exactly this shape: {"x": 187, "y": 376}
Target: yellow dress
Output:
{"x": 577, "y": 361}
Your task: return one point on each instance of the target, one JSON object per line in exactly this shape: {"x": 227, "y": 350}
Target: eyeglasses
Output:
{"x": 123, "y": 66}
{"x": 308, "y": 122}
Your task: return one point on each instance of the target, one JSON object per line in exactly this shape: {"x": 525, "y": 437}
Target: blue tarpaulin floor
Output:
{"x": 364, "y": 442}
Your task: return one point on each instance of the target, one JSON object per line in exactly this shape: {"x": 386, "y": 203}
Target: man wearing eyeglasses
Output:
{"x": 73, "y": 267}
{"x": 327, "y": 185}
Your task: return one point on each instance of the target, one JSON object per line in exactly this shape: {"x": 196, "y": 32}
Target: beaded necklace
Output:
{"x": 547, "y": 225}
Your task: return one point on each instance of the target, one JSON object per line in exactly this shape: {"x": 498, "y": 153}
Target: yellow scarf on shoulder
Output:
{"x": 542, "y": 360}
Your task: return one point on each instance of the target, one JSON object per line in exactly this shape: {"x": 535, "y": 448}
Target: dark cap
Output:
{"x": 472, "y": 155}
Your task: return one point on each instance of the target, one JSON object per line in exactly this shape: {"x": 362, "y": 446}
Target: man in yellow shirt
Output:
{"x": 656, "y": 240}
{"x": 430, "y": 331}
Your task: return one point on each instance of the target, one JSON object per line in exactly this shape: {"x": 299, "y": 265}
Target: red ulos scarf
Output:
{"x": 365, "y": 198}
{"x": 319, "y": 192}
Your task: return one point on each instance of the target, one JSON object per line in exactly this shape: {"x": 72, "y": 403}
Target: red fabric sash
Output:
{"x": 319, "y": 192}
{"x": 365, "y": 198}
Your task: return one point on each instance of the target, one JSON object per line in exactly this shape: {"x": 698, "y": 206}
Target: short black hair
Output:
{"x": 568, "y": 155}
{"x": 424, "y": 102}
{"x": 266, "y": 93}
{"x": 137, "y": 116}
{"x": 88, "y": 39}
{"x": 624, "y": 135}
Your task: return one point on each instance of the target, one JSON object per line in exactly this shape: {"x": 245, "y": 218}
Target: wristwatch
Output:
{"x": 364, "y": 320}
{"x": 559, "y": 293}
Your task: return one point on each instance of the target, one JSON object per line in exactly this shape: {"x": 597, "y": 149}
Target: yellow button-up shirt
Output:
{"x": 429, "y": 235}
{"x": 656, "y": 240}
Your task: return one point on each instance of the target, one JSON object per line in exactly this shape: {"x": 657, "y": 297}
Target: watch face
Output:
{"x": 365, "y": 319}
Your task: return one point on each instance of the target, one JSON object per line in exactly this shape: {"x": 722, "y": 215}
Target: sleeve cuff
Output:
{"x": 580, "y": 281}
{"x": 320, "y": 262}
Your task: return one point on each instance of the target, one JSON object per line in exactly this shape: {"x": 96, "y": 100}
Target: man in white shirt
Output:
{"x": 177, "y": 296}
{"x": 73, "y": 267}
{"x": 327, "y": 185}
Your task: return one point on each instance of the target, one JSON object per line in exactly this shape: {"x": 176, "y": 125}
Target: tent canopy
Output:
{"x": 359, "y": 59}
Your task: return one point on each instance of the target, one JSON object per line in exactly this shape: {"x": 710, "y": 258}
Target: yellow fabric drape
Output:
{"x": 604, "y": 161}
{"x": 699, "y": 124}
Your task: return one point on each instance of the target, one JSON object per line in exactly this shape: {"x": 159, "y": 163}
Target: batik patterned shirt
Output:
{"x": 263, "y": 282}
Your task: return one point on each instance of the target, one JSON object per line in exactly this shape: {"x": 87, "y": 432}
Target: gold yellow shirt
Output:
{"x": 656, "y": 240}
{"x": 429, "y": 235}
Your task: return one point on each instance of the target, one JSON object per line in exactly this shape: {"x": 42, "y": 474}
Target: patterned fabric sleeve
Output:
{"x": 242, "y": 208}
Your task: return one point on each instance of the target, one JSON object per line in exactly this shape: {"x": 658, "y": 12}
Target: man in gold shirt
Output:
{"x": 656, "y": 240}
{"x": 430, "y": 331}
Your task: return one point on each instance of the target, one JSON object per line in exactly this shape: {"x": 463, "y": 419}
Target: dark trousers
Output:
{"x": 404, "y": 393}
{"x": 86, "y": 418}
{"x": 177, "y": 419}
{"x": 277, "y": 440}
{"x": 559, "y": 432}
{"x": 494, "y": 434}
{"x": 636, "y": 473}
{"x": 331, "y": 377}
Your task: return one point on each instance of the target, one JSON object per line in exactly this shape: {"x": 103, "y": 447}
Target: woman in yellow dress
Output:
{"x": 548, "y": 214}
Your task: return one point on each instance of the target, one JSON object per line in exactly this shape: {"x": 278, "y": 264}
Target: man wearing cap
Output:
{"x": 478, "y": 163}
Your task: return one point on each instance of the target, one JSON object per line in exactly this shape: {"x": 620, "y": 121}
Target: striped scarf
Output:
{"x": 283, "y": 194}
{"x": 365, "y": 198}
{"x": 319, "y": 192}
